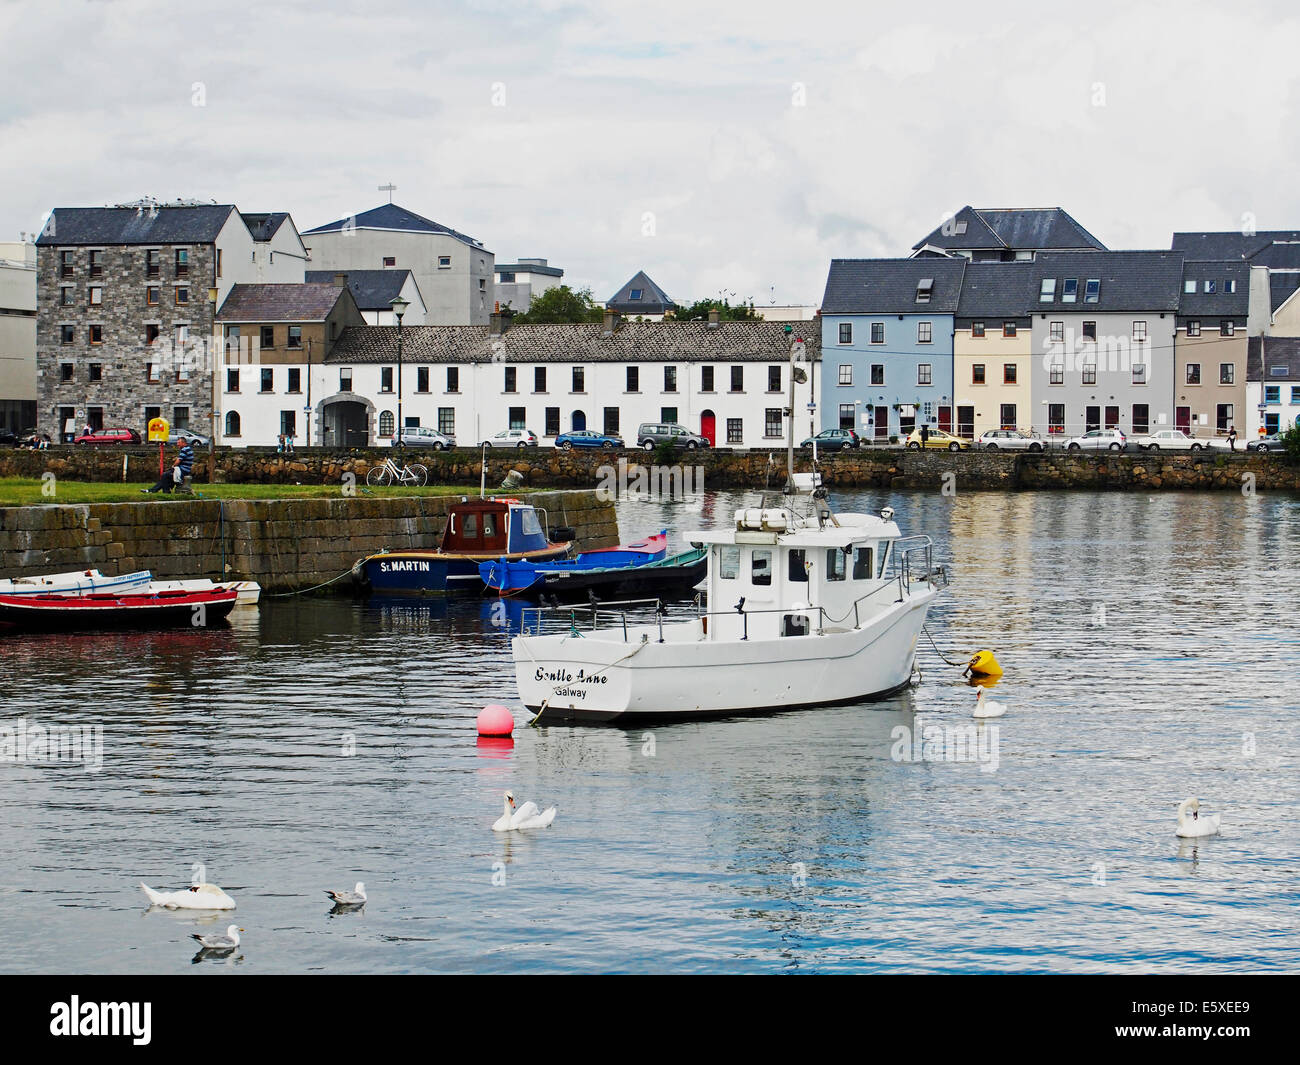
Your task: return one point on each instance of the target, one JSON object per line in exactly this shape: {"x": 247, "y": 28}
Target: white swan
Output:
{"x": 355, "y": 897}
{"x": 526, "y": 816}
{"x": 1196, "y": 825}
{"x": 198, "y": 897}
{"x": 219, "y": 942}
{"x": 987, "y": 707}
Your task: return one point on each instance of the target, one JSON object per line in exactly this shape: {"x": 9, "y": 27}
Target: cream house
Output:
{"x": 993, "y": 359}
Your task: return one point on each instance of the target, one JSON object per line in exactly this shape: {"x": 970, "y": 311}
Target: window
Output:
{"x": 1008, "y": 329}
{"x": 634, "y": 378}
{"x": 218, "y": 262}
{"x": 507, "y": 277}
{"x": 345, "y": 380}
{"x": 385, "y": 379}
{"x": 180, "y": 335}
{"x": 1007, "y": 416}
{"x": 846, "y": 373}
{"x": 289, "y": 423}
{"x": 552, "y": 421}
{"x": 923, "y": 376}
{"x": 447, "y": 421}
{"x": 846, "y": 332}
{"x": 977, "y": 374}
{"x": 1056, "y": 417}
{"x": 706, "y": 379}
{"x": 836, "y": 564}
{"x": 444, "y": 262}
{"x": 772, "y": 422}
{"x": 1056, "y": 373}
{"x": 453, "y": 378}
{"x": 1089, "y": 373}
{"x": 737, "y": 379}
{"x": 797, "y": 567}
{"x": 668, "y": 414}
{"x": 96, "y": 334}
{"x": 1139, "y": 331}
{"x": 1069, "y": 289}
{"x": 182, "y": 295}
{"x": 66, "y": 296}
{"x": 1193, "y": 373}
{"x": 635, "y": 294}
{"x": 579, "y": 379}
{"x": 1295, "y": 395}
{"x": 268, "y": 379}
{"x": 1092, "y": 290}
{"x": 774, "y": 379}
{"x": 1272, "y": 393}
{"x": 862, "y": 567}
{"x": 65, "y": 371}
{"x": 482, "y": 284}
{"x": 509, "y": 384}
{"x": 848, "y": 411}
{"x": 151, "y": 296}
{"x": 95, "y": 371}
{"x": 1271, "y": 423}
{"x": 1139, "y": 373}
{"x": 1056, "y": 332}
{"x": 517, "y": 417}
{"x": 1047, "y": 290}
{"x": 1189, "y": 285}
{"x": 924, "y": 289}
{"x": 422, "y": 379}
{"x": 1008, "y": 373}
{"x": 977, "y": 329}
{"x": 728, "y": 559}
{"x": 1210, "y": 286}
{"x": 95, "y": 295}
{"x": 295, "y": 380}
{"x": 539, "y": 378}
{"x": 1226, "y": 328}
{"x": 180, "y": 417}
{"x": 1227, "y": 373}
{"x": 151, "y": 375}
{"x": 670, "y": 378}
{"x": 877, "y": 332}
{"x": 1193, "y": 329}
{"x": 67, "y": 334}
{"x": 390, "y": 260}
{"x": 182, "y": 262}
{"x": 1141, "y": 418}
{"x": 1089, "y": 330}
{"x": 735, "y": 433}
{"x": 232, "y": 423}
{"x": 877, "y": 373}
{"x": 96, "y": 264}
{"x": 295, "y": 337}
{"x": 1224, "y": 415}
{"x": 267, "y": 336}
{"x": 923, "y": 332}
{"x": 65, "y": 264}
{"x": 232, "y": 380}
{"x": 611, "y": 421}
{"x": 761, "y": 567}
{"x": 386, "y": 423}
{"x": 152, "y": 262}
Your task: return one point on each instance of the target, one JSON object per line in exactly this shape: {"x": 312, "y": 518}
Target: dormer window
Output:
{"x": 959, "y": 228}
{"x": 1209, "y": 286}
{"x": 1189, "y": 286}
{"x": 1069, "y": 290}
{"x": 635, "y": 294}
{"x": 1092, "y": 290}
{"x": 1047, "y": 291}
{"x": 924, "y": 289}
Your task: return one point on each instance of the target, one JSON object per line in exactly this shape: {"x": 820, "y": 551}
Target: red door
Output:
{"x": 1183, "y": 419}
{"x": 882, "y": 422}
{"x": 709, "y": 428}
{"x": 945, "y": 419}
{"x": 1112, "y": 417}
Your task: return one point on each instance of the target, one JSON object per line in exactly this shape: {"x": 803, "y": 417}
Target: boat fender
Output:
{"x": 983, "y": 664}
{"x": 563, "y": 534}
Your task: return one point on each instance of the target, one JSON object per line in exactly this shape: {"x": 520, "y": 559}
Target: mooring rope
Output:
{"x": 949, "y": 661}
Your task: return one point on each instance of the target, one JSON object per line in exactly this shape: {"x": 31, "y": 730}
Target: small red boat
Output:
{"x": 108, "y": 610}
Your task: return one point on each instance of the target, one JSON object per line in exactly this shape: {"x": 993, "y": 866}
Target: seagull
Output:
{"x": 196, "y": 897}
{"x": 989, "y": 708}
{"x": 219, "y": 942}
{"x": 1195, "y": 825}
{"x": 526, "y": 816}
{"x": 355, "y": 897}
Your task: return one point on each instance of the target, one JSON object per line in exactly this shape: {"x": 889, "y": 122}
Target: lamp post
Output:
{"x": 399, "y": 306}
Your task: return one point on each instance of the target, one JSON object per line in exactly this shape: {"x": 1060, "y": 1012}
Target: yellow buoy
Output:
{"x": 983, "y": 664}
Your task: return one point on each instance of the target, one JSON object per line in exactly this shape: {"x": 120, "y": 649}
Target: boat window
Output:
{"x": 862, "y": 570}
{"x": 532, "y": 527}
{"x": 836, "y": 564}
{"x": 762, "y": 569}
{"x": 469, "y": 527}
{"x": 884, "y": 558}
{"x": 795, "y": 625}
{"x": 728, "y": 563}
{"x": 798, "y": 566}
{"x": 489, "y": 525}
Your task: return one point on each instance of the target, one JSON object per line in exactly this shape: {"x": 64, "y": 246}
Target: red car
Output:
{"x": 117, "y": 435}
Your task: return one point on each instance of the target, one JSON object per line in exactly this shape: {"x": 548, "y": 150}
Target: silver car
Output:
{"x": 1009, "y": 440}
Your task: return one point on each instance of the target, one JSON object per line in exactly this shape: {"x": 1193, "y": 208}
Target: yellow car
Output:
{"x": 938, "y": 439}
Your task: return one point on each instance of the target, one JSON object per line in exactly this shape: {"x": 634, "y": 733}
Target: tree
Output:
{"x": 699, "y": 311}
{"x": 559, "y": 305}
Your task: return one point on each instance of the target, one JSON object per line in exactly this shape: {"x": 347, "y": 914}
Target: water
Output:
{"x": 1148, "y": 642}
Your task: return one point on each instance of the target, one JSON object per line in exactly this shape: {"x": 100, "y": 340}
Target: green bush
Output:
{"x": 1291, "y": 438}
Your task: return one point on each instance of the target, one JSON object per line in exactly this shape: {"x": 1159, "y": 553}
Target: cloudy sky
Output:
{"x": 720, "y": 147}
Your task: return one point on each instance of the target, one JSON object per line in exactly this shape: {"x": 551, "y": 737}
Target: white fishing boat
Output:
{"x": 805, "y": 608}
{"x": 77, "y": 582}
{"x": 249, "y": 591}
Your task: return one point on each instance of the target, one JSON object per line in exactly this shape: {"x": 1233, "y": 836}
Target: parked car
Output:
{"x": 513, "y": 438}
{"x": 650, "y": 435}
{"x": 1008, "y": 440}
{"x": 1099, "y": 440}
{"x": 191, "y": 437}
{"x": 423, "y": 436}
{"x": 8, "y": 437}
{"x": 834, "y": 440}
{"x": 1168, "y": 440}
{"x": 938, "y": 440}
{"x": 115, "y": 435}
{"x": 1272, "y": 442}
{"x": 586, "y": 438}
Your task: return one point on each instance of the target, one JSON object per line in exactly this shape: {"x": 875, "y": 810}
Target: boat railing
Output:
{"x": 914, "y": 561}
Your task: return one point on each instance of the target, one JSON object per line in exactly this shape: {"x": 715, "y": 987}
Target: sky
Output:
{"x": 724, "y": 148}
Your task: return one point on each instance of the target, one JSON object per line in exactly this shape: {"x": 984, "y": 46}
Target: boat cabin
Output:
{"x": 493, "y": 527}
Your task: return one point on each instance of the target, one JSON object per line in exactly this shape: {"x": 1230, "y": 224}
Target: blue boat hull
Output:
{"x": 427, "y": 573}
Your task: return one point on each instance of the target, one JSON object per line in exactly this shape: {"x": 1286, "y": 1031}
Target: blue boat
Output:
{"x": 506, "y": 577}
{"x": 478, "y": 530}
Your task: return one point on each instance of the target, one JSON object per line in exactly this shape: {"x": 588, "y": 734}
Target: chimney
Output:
{"x": 340, "y": 280}
{"x": 714, "y": 315}
{"x": 611, "y": 321}
{"x": 499, "y": 320}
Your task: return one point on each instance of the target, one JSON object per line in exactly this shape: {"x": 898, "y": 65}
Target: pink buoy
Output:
{"x": 495, "y": 720}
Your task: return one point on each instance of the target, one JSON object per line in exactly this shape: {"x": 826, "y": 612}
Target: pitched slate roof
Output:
{"x": 888, "y": 286}
{"x": 654, "y": 300}
{"x": 1230, "y": 245}
{"x": 1130, "y": 280}
{"x": 762, "y": 341}
{"x": 264, "y": 226}
{"x": 373, "y": 290}
{"x": 997, "y": 290}
{"x": 1014, "y": 228}
{"x": 132, "y": 225}
{"x": 1264, "y": 353}
{"x": 279, "y": 303}
{"x": 1219, "y": 303}
{"x": 1281, "y": 284}
{"x": 391, "y": 216}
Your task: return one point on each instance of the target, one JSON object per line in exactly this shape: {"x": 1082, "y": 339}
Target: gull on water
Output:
{"x": 217, "y": 941}
{"x": 355, "y": 897}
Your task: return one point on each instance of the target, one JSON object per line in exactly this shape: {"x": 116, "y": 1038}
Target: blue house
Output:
{"x": 887, "y": 342}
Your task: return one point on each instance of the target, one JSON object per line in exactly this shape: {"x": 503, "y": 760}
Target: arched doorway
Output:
{"x": 345, "y": 420}
{"x": 579, "y": 421}
{"x": 709, "y": 427}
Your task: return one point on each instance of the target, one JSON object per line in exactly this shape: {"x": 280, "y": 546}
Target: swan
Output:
{"x": 197, "y": 897}
{"x": 988, "y": 708}
{"x": 1196, "y": 825}
{"x": 355, "y": 897}
{"x": 526, "y": 816}
{"x": 219, "y": 942}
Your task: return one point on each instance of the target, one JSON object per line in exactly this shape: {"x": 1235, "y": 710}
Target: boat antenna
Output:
{"x": 797, "y": 375}
{"x": 482, "y": 473}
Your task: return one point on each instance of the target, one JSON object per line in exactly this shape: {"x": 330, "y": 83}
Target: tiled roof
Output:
{"x": 997, "y": 290}
{"x": 373, "y": 290}
{"x": 1264, "y": 353}
{"x": 653, "y": 299}
{"x": 1015, "y": 228}
{"x": 390, "y": 216}
{"x": 889, "y": 286}
{"x": 132, "y": 225}
{"x": 762, "y": 341}
{"x": 1230, "y": 245}
{"x": 1130, "y": 280}
{"x": 264, "y": 226}
{"x": 1281, "y": 284}
{"x": 279, "y": 303}
{"x": 1219, "y": 303}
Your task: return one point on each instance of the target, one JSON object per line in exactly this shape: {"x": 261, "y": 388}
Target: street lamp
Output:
{"x": 399, "y": 306}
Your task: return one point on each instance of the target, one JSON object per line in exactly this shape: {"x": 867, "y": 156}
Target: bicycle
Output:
{"x": 414, "y": 476}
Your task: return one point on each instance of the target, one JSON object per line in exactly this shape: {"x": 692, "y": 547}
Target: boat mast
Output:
{"x": 797, "y": 374}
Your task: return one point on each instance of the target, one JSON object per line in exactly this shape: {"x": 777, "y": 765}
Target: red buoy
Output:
{"x": 495, "y": 720}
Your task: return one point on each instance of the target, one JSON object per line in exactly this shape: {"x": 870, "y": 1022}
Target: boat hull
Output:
{"x": 436, "y": 572}
{"x": 598, "y": 679}
{"x": 66, "y": 613}
{"x": 76, "y": 583}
